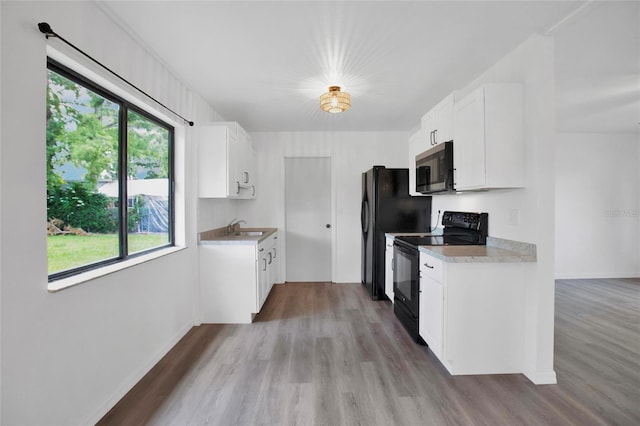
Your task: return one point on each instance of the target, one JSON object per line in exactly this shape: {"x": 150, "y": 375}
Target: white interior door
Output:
{"x": 308, "y": 218}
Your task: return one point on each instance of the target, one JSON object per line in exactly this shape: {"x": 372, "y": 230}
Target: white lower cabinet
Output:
{"x": 235, "y": 279}
{"x": 431, "y": 302}
{"x": 388, "y": 268}
{"x": 472, "y": 314}
{"x": 266, "y": 268}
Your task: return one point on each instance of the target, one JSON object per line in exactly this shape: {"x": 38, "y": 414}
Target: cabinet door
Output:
{"x": 262, "y": 284}
{"x": 504, "y": 135}
{"x": 213, "y": 177}
{"x": 249, "y": 172}
{"x": 444, "y": 120}
{"x": 429, "y": 126}
{"x": 275, "y": 264}
{"x": 233, "y": 154}
{"x": 245, "y": 169}
{"x": 437, "y": 124}
{"x": 388, "y": 269}
{"x": 430, "y": 321}
{"x": 267, "y": 268}
{"x": 271, "y": 265}
{"x": 469, "y": 146}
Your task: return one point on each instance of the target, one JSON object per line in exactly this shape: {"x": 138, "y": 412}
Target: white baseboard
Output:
{"x": 542, "y": 377}
{"x": 597, "y": 276}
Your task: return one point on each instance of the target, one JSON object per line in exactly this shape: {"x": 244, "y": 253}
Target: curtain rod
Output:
{"x": 48, "y": 32}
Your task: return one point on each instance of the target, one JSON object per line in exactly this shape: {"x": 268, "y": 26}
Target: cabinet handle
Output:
{"x": 262, "y": 249}
{"x": 427, "y": 265}
{"x": 253, "y": 190}
{"x": 270, "y": 258}
{"x": 246, "y": 177}
{"x": 237, "y": 187}
{"x": 274, "y": 253}
{"x": 264, "y": 268}
{"x": 435, "y": 137}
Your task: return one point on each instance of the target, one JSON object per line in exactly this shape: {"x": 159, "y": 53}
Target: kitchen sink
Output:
{"x": 248, "y": 233}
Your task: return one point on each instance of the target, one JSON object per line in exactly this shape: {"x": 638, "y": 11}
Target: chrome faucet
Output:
{"x": 233, "y": 223}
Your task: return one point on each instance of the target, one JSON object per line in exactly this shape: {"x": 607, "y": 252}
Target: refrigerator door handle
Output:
{"x": 364, "y": 216}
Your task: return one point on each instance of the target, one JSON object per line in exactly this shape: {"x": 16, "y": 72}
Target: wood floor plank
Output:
{"x": 325, "y": 354}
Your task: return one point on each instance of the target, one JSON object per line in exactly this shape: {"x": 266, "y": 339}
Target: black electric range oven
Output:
{"x": 460, "y": 228}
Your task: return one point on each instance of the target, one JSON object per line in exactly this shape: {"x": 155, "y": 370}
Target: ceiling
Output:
{"x": 265, "y": 63}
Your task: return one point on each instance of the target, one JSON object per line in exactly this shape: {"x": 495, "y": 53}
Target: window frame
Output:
{"x": 123, "y": 232}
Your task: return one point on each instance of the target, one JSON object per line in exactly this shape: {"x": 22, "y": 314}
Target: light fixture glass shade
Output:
{"x": 335, "y": 100}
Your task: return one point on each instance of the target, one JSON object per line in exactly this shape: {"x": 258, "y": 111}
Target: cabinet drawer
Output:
{"x": 267, "y": 245}
{"x": 431, "y": 267}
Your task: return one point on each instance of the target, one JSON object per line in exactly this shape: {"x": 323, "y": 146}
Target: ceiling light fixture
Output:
{"x": 334, "y": 100}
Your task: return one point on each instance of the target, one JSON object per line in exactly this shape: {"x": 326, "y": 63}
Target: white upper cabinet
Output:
{"x": 488, "y": 148}
{"x": 436, "y": 127}
{"x": 437, "y": 124}
{"x": 246, "y": 165}
{"x": 225, "y": 161}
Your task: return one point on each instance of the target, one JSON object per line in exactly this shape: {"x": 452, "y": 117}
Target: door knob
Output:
{"x": 328, "y": 225}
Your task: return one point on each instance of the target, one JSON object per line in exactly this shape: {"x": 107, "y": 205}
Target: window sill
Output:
{"x": 64, "y": 283}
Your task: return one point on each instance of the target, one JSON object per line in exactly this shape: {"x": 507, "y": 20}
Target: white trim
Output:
{"x": 570, "y": 17}
{"x": 597, "y": 276}
{"x": 94, "y": 74}
{"x": 542, "y": 377}
{"x": 83, "y": 277}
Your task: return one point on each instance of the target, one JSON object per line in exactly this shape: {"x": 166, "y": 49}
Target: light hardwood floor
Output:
{"x": 322, "y": 353}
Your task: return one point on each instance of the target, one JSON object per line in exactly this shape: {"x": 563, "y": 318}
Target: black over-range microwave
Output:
{"x": 434, "y": 169}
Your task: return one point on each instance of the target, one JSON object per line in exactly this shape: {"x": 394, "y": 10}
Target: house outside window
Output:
{"x": 109, "y": 177}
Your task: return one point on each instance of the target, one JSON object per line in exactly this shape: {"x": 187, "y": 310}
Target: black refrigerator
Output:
{"x": 387, "y": 207}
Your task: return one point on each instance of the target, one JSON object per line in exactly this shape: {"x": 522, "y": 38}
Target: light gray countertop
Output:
{"x": 497, "y": 250}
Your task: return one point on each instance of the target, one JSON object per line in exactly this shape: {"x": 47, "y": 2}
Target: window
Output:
{"x": 109, "y": 177}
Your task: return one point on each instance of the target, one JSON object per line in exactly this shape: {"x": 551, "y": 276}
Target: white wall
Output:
{"x": 352, "y": 153}
{"x": 597, "y": 205}
{"x": 532, "y": 65}
{"x": 68, "y": 357}
{"x": 597, "y": 75}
